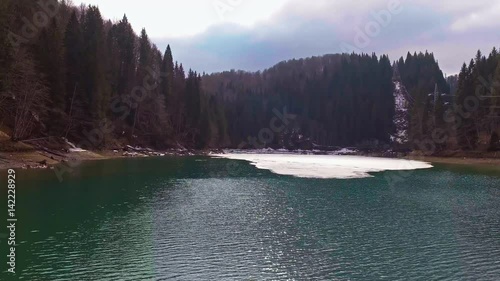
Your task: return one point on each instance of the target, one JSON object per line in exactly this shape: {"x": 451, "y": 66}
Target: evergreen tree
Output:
{"x": 167, "y": 70}
{"x": 466, "y": 132}
{"x": 50, "y": 56}
{"x": 94, "y": 82}
{"x": 178, "y": 113}
{"x": 75, "y": 101}
{"x": 193, "y": 101}
{"x": 125, "y": 40}
{"x": 144, "y": 59}
{"x": 494, "y": 110}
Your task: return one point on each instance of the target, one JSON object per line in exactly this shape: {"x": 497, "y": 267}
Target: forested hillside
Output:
{"x": 427, "y": 87}
{"x": 351, "y": 100}
{"x": 477, "y": 126}
{"x": 459, "y": 113}
{"x": 67, "y": 73}
{"x": 338, "y": 100}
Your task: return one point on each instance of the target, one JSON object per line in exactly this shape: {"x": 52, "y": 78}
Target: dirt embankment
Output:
{"x": 460, "y": 158}
{"x": 46, "y": 154}
{"x": 42, "y": 159}
{"x": 28, "y": 155}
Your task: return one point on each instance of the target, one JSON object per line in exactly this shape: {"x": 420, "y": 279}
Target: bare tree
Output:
{"x": 29, "y": 95}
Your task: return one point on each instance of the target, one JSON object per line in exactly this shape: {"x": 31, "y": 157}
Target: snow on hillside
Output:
{"x": 401, "y": 117}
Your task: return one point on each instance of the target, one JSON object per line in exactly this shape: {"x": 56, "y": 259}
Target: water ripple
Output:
{"x": 266, "y": 227}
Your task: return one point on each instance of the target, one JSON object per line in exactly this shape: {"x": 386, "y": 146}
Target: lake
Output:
{"x": 201, "y": 218}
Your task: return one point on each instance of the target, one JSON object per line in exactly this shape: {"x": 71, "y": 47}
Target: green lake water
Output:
{"x": 197, "y": 218}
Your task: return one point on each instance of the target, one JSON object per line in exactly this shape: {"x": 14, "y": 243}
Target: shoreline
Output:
{"x": 455, "y": 160}
{"x": 44, "y": 160}
{"x": 37, "y": 159}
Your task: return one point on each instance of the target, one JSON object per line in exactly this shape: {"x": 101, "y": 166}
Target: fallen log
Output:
{"x": 51, "y": 152}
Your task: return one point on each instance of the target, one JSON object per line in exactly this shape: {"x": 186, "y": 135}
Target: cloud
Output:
{"x": 481, "y": 19}
{"x": 180, "y": 18}
{"x": 301, "y": 30}
{"x": 457, "y": 7}
{"x": 256, "y": 34}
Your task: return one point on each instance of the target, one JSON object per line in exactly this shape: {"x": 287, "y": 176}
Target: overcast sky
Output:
{"x": 217, "y": 35}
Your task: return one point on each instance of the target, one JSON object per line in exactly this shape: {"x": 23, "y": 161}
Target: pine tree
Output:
{"x": 438, "y": 122}
{"x": 144, "y": 59}
{"x": 193, "y": 105}
{"x": 126, "y": 39}
{"x": 75, "y": 101}
{"x": 167, "y": 69}
{"x": 467, "y": 132}
{"x": 178, "y": 100}
{"x": 479, "y": 57}
{"x": 50, "y": 57}
{"x": 203, "y": 139}
{"x": 94, "y": 82}
{"x": 494, "y": 110}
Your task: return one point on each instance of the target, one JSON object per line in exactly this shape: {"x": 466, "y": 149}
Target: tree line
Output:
{"x": 67, "y": 73}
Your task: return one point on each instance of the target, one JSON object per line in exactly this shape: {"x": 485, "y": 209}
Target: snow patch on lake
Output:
{"x": 326, "y": 166}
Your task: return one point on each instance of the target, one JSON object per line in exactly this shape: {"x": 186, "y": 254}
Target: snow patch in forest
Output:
{"x": 326, "y": 166}
{"x": 401, "y": 114}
